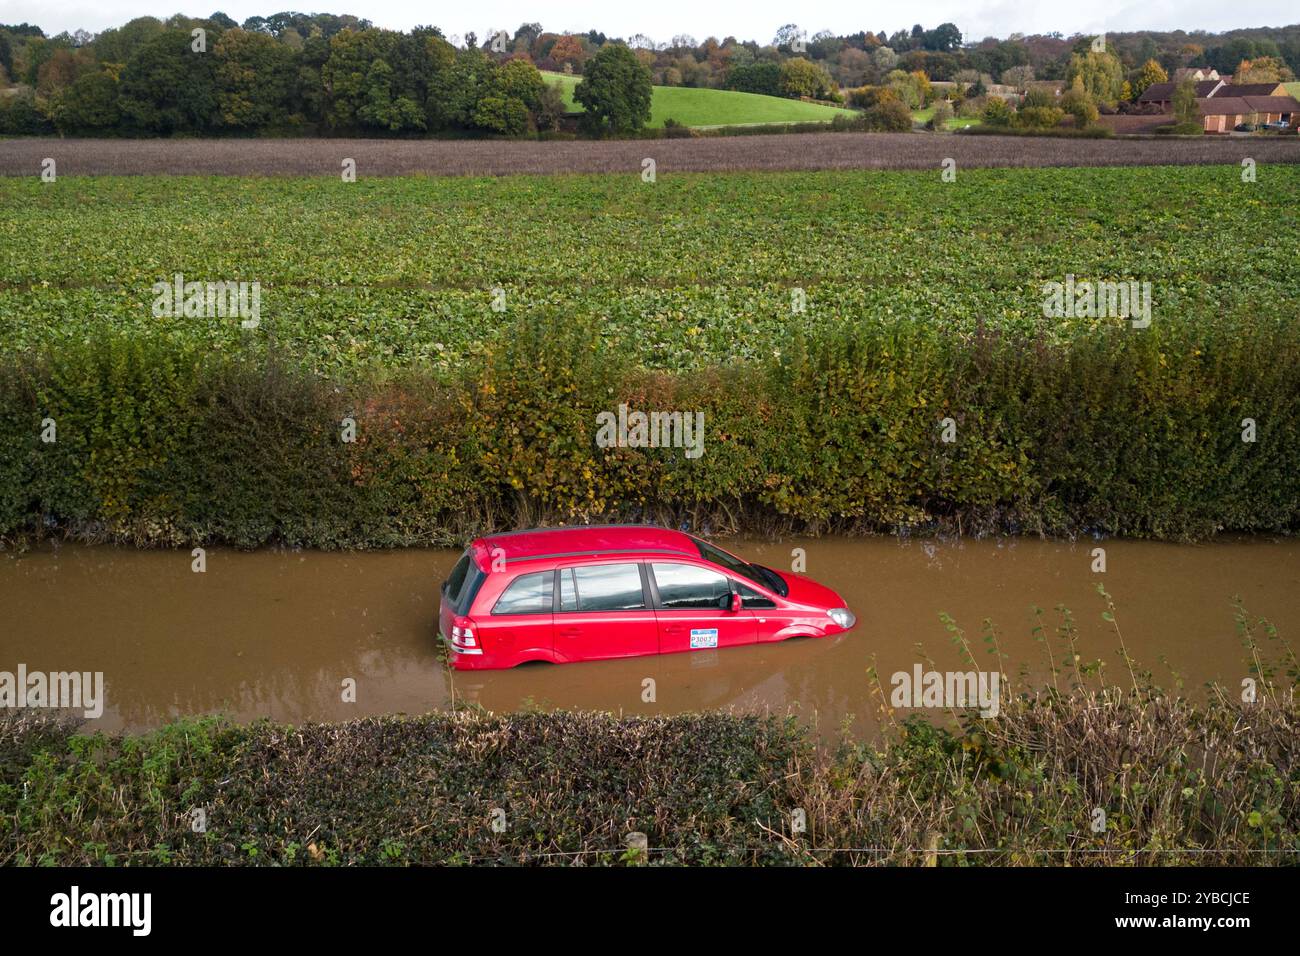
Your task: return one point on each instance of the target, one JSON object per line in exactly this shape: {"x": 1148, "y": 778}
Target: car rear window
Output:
{"x": 528, "y": 594}
{"x": 609, "y": 587}
{"x": 456, "y": 580}
{"x": 462, "y": 584}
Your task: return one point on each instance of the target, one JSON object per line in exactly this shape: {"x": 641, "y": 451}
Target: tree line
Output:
{"x": 186, "y": 76}
{"x": 294, "y": 72}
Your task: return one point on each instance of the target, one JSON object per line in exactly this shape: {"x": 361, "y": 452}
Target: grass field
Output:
{"x": 692, "y": 271}
{"x": 706, "y": 107}
{"x": 957, "y": 122}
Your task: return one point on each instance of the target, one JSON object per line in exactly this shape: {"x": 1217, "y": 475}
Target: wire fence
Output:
{"x": 918, "y": 852}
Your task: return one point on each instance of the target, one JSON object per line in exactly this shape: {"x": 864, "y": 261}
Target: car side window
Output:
{"x": 568, "y": 593}
{"x": 528, "y": 594}
{"x": 750, "y": 598}
{"x": 608, "y": 587}
{"x": 684, "y": 586}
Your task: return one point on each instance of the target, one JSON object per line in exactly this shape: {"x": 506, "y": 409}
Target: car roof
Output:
{"x": 581, "y": 541}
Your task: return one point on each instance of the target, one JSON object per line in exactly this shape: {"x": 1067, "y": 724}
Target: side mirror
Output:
{"x": 736, "y": 603}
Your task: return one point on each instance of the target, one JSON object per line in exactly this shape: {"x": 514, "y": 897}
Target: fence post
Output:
{"x": 639, "y": 844}
{"x": 931, "y": 848}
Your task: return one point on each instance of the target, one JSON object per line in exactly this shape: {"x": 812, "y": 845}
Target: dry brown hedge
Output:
{"x": 1179, "y": 784}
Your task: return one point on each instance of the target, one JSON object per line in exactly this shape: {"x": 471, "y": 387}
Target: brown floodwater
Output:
{"x": 276, "y": 633}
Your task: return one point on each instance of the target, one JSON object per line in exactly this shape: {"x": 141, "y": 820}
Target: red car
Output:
{"x": 588, "y": 593}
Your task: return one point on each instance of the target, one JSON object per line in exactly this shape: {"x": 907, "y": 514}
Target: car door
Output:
{"x": 603, "y": 611}
{"x": 519, "y": 626}
{"x": 693, "y": 609}
{"x": 769, "y": 619}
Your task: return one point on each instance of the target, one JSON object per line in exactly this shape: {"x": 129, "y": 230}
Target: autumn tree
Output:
{"x": 568, "y": 50}
{"x": 913, "y": 89}
{"x": 62, "y": 69}
{"x": 1263, "y": 69}
{"x": 1078, "y": 102}
{"x": 1151, "y": 72}
{"x": 517, "y": 91}
{"x": 801, "y": 77}
{"x": 1101, "y": 73}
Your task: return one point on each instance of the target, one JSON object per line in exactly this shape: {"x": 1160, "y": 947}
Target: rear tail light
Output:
{"x": 464, "y": 635}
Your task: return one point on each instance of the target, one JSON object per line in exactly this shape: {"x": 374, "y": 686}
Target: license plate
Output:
{"x": 704, "y": 637}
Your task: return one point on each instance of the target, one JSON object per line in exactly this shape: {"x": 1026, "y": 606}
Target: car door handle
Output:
{"x": 570, "y": 632}
{"x": 673, "y": 628}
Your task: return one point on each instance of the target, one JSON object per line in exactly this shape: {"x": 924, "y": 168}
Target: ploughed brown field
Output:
{"x": 378, "y": 157}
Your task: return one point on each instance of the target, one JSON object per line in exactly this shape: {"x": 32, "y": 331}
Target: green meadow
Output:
{"x": 705, "y": 107}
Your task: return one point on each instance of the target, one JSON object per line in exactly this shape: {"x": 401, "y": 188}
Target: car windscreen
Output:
{"x": 732, "y": 563}
{"x": 755, "y": 572}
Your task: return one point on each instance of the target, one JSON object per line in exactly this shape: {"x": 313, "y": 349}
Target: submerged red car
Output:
{"x": 588, "y": 593}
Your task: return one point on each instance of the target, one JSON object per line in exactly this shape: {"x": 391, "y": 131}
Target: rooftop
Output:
{"x": 1250, "y": 89}
{"x": 1161, "y": 92}
{"x": 1235, "y": 105}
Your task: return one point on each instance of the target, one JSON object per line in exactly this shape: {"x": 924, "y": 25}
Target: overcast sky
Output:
{"x": 745, "y": 19}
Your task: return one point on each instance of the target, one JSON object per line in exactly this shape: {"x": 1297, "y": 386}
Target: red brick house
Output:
{"x": 1162, "y": 94}
{"x": 1222, "y": 105}
{"x": 1220, "y": 114}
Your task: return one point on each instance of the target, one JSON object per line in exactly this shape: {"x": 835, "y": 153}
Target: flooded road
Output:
{"x": 278, "y": 633}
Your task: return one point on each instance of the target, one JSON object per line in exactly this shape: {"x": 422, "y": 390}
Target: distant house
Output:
{"x": 1196, "y": 74}
{"x": 1222, "y": 105}
{"x": 1220, "y": 114}
{"x": 1162, "y": 94}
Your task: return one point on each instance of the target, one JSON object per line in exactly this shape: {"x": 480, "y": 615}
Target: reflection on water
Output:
{"x": 276, "y": 633}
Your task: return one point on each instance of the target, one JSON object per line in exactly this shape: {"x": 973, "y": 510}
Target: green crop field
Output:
{"x": 691, "y": 271}
{"x": 704, "y": 107}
